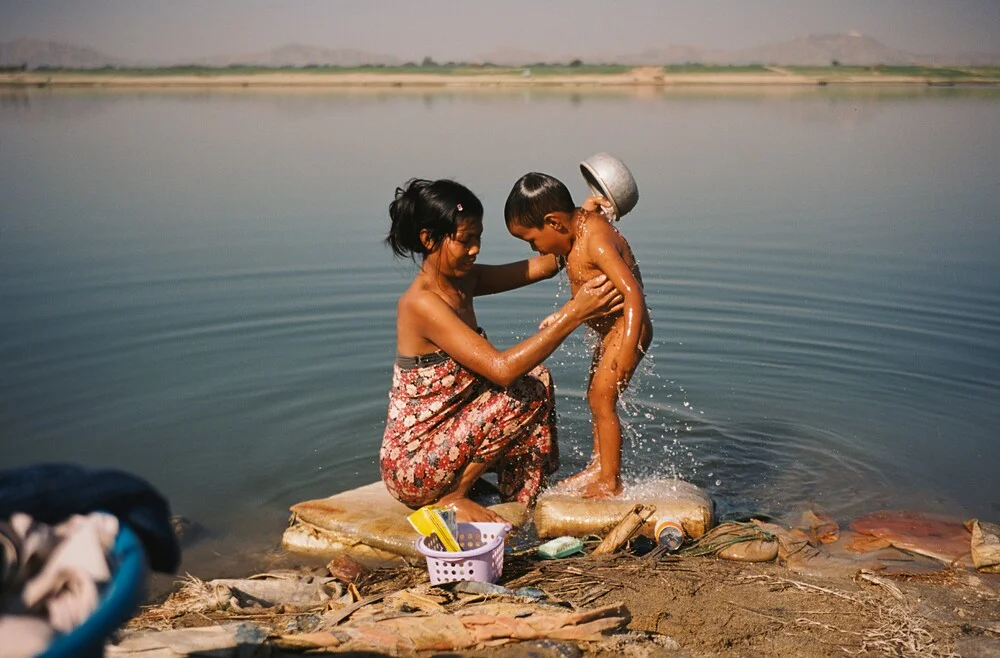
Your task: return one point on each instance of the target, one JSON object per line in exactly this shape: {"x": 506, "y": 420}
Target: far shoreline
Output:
{"x": 648, "y": 76}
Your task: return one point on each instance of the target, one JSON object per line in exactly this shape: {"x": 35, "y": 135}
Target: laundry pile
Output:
{"x": 51, "y": 576}
{"x": 59, "y": 524}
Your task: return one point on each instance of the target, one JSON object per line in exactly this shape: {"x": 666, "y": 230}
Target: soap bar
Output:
{"x": 560, "y": 547}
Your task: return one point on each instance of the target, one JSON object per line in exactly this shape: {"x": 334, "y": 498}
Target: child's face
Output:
{"x": 551, "y": 238}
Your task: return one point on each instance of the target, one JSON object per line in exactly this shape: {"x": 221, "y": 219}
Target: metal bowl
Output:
{"x": 608, "y": 176}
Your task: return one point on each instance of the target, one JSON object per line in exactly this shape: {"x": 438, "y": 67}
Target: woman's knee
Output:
{"x": 534, "y": 386}
{"x": 542, "y": 374}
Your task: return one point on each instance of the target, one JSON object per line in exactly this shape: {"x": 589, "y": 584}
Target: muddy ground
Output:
{"x": 706, "y": 606}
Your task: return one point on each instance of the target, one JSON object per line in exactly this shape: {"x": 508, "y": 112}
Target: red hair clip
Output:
{"x": 459, "y": 206}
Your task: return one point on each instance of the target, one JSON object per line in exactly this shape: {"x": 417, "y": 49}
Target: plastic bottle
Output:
{"x": 669, "y": 533}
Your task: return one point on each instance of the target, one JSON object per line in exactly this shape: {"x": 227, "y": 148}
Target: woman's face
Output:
{"x": 455, "y": 255}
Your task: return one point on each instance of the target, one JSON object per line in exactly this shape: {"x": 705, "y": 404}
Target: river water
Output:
{"x": 193, "y": 286}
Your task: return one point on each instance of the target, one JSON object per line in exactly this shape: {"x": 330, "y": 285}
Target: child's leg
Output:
{"x": 603, "y": 399}
{"x": 607, "y": 383}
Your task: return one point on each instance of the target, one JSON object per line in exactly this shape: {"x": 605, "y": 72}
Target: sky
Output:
{"x": 454, "y": 30}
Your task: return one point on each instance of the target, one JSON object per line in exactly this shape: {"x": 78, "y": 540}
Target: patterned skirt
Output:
{"x": 442, "y": 417}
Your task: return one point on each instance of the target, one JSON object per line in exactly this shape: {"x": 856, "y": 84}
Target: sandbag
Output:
{"x": 560, "y": 512}
{"x": 985, "y": 545}
{"x": 736, "y": 540}
{"x": 757, "y": 550}
{"x": 366, "y": 523}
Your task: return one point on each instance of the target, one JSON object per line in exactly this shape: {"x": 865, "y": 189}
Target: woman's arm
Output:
{"x": 441, "y": 326}
{"x": 501, "y": 278}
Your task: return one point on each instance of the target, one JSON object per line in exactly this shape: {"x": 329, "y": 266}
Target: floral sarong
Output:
{"x": 442, "y": 417}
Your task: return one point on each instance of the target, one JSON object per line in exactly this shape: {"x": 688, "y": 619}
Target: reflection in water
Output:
{"x": 14, "y": 100}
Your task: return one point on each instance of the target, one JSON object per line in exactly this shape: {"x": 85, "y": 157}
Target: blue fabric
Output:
{"x": 53, "y": 492}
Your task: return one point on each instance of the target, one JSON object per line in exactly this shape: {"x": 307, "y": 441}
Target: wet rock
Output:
{"x": 187, "y": 531}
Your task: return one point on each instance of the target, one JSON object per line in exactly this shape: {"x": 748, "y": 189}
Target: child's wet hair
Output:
{"x": 533, "y": 196}
{"x": 435, "y": 206}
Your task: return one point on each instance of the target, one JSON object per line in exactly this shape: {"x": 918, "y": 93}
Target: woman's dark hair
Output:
{"x": 435, "y": 206}
{"x": 533, "y": 197}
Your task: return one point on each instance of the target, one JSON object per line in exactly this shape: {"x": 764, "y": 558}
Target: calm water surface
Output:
{"x": 193, "y": 287}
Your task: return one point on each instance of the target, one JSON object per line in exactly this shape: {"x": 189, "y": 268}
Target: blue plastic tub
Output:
{"x": 119, "y": 601}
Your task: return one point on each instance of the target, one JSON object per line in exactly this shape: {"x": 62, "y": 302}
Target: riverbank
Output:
{"x": 697, "y": 606}
{"x": 889, "y": 583}
{"x": 649, "y": 76}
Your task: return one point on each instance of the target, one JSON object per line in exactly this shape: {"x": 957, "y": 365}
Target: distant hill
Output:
{"x": 300, "y": 55}
{"x": 814, "y": 50}
{"x": 35, "y": 53}
{"x": 822, "y": 49}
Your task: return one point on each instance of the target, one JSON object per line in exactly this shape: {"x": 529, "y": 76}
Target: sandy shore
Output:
{"x": 643, "y": 76}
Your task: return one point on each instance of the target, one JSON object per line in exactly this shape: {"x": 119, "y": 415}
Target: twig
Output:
{"x": 344, "y": 613}
{"x": 624, "y": 529}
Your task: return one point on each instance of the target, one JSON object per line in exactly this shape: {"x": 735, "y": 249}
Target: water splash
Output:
{"x": 656, "y": 414}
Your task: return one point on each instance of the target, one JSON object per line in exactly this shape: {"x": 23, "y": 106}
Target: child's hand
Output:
{"x": 597, "y": 203}
{"x": 547, "y": 321}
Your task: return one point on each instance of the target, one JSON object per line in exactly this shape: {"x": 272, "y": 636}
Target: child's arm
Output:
{"x": 500, "y": 278}
{"x": 603, "y": 252}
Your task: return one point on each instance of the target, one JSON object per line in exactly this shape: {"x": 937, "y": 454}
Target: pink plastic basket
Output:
{"x": 481, "y": 557}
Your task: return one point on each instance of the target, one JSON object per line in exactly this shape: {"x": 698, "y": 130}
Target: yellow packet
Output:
{"x": 433, "y": 520}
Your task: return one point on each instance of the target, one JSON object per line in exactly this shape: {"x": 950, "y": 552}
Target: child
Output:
{"x": 540, "y": 211}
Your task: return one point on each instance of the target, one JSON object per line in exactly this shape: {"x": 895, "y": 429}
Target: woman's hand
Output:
{"x": 595, "y": 298}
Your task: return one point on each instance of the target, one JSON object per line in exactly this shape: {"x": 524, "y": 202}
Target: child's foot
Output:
{"x": 468, "y": 511}
{"x": 602, "y": 489}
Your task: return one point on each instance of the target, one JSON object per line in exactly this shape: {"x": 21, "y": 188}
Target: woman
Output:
{"x": 458, "y": 406}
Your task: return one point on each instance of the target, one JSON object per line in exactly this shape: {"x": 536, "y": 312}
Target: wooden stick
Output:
{"x": 624, "y": 530}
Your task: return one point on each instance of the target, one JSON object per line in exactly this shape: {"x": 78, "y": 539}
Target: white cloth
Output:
{"x": 63, "y": 567}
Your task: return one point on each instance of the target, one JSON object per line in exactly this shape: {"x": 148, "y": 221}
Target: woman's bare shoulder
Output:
{"x": 418, "y": 299}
